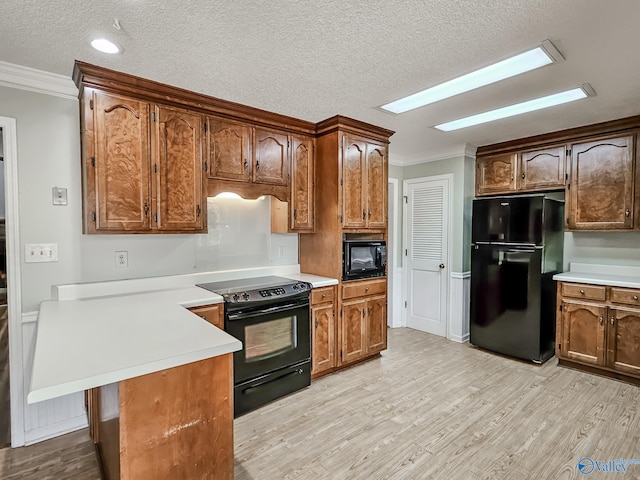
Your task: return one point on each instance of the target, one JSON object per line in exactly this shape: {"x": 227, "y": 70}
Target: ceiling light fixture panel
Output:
{"x": 540, "y": 56}
{"x": 529, "y": 106}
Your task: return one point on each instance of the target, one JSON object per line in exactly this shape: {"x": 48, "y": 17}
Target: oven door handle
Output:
{"x": 258, "y": 387}
{"x": 263, "y": 311}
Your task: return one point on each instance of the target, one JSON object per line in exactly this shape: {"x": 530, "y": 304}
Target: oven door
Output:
{"x": 273, "y": 337}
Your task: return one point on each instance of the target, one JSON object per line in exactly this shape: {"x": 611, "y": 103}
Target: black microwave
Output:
{"x": 363, "y": 259}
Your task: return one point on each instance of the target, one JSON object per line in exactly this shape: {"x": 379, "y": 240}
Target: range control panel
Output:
{"x": 273, "y": 293}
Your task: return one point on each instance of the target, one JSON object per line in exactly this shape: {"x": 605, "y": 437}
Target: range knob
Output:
{"x": 302, "y": 286}
{"x": 236, "y": 297}
{"x": 245, "y": 296}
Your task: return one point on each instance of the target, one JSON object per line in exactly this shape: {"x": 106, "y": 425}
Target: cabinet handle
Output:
{"x": 257, "y": 165}
{"x": 613, "y": 319}
{"x": 316, "y": 323}
{"x": 581, "y": 292}
{"x": 366, "y": 289}
{"x": 246, "y": 164}
{"x": 635, "y": 297}
{"x": 522, "y": 176}
{"x": 324, "y": 295}
{"x": 627, "y": 213}
{"x": 369, "y": 213}
{"x": 512, "y": 178}
{"x": 364, "y": 214}
{"x": 295, "y": 213}
{"x": 146, "y": 209}
{"x": 601, "y": 319}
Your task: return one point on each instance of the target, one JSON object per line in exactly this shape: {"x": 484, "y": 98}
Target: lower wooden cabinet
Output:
{"x": 363, "y": 329}
{"x": 211, "y": 313}
{"x": 323, "y": 331}
{"x": 599, "y": 326}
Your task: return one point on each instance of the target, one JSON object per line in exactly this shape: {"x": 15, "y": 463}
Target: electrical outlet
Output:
{"x": 59, "y": 195}
{"x": 122, "y": 260}
{"x": 282, "y": 251}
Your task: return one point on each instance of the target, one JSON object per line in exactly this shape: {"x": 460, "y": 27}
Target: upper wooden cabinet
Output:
{"x": 142, "y": 166}
{"x": 181, "y": 205}
{"x": 243, "y": 153}
{"x": 271, "y": 153}
{"x": 302, "y": 210}
{"x": 496, "y": 174}
{"x": 117, "y": 164}
{"x": 600, "y": 194}
{"x": 229, "y": 149}
{"x": 542, "y": 169}
{"x": 526, "y": 171}
{"x": 364, "y": 183}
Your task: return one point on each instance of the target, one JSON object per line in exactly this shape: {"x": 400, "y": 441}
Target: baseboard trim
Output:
{"x": 460, "y": 339}
{"x": 55, "y": 430}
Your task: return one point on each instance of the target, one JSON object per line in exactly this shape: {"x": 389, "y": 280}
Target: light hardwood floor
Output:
{"x": 427, "y": 409}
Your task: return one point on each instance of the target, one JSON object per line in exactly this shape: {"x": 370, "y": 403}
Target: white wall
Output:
{"x": 608, "y": 248}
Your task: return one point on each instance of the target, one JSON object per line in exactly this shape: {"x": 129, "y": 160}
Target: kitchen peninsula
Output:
{"x": 158, "y": 377}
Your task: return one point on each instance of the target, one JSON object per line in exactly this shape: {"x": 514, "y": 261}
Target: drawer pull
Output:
{"x": 581, "y": 292}
{"x": 635, "y": 297}
{"x": 601, "y": 319}
{"x": 324, "y": 295}
{"x": 366, "y": 289}
{"x": 613, "y": 319}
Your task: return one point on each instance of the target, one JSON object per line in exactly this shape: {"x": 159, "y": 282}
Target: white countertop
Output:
{"x": 315, "y": 280}
{"x": 91, "y": 342}
{"x": 612, "y": 275}
{"x": 95, "y": 334}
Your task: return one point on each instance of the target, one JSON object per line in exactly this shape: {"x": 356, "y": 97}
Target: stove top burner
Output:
{"x": 259, "y": 289}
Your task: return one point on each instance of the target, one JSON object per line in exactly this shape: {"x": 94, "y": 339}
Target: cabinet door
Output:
{"x": 323, "y": 338}
{"x": 271, "y": 151}
{"x": 600, "y": 190}
{"x": 179, "y": 183}
{"x": 213, "y": 314}
{"x": 229, "y": 150}
{"x": 353, "y": 189}
{"x": 583, "y": 329}
{"x": 376, "y": 324}
{"x": 353, "y": 331}
{"x": 623, "y": 349}
{"x": 376, "y": 186}
{"x": 302, "y": 184}
{"x": 496, "y": 174}
{"x": 542, "y": 169}
{"x": 122, "y": 163}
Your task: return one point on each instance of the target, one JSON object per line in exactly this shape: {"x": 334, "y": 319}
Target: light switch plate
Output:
{"x": 40, "y": 252}
{"x": 59, "y": 195}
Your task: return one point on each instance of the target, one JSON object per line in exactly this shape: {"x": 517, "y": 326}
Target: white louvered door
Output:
{"x": 427, "y": 217}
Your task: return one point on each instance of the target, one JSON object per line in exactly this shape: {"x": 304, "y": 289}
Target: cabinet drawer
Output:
{"x": 360, "y": 289}
{"x": 630, "y": 296}
{"x": 579, "y": 290}
{"x": 322, "y": 295}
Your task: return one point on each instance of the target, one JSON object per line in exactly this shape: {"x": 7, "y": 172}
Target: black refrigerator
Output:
{"x": 516, "y": 249}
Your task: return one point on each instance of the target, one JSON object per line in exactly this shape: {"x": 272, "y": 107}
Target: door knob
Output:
{"x": 441, "y": 266}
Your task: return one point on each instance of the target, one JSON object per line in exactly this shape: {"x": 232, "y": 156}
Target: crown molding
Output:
{"x": 465, "y": 150}
{"x": 39, "y": 81}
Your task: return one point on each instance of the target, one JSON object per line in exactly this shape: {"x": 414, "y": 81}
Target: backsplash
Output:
{"x": 239, "y": 237}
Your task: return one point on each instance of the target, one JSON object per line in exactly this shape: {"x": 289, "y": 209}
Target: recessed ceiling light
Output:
{"x": 524, "y": 107}
{"x": 105, "y": 46}
{"x": 538, "y": 57}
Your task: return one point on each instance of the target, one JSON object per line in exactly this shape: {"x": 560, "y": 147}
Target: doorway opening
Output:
{"x": 5, "y": 410}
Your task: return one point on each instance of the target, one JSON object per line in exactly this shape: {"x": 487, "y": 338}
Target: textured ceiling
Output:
{"x": 313, "y": 60}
